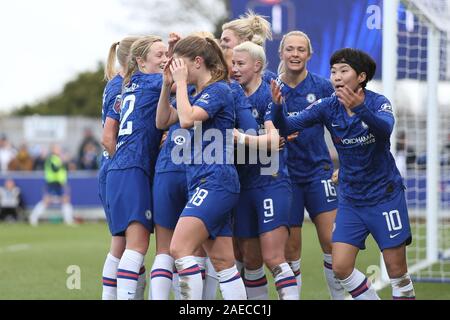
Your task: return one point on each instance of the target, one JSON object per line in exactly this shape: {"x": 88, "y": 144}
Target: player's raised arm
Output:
{"x": 312, "y": 115}
{"x": 381, "y": 121}
{"x": 166, "y": 115}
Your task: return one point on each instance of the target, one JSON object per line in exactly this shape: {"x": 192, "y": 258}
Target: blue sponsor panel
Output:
{"x": 331, "y": 25}
{"x": 83, "y": 188}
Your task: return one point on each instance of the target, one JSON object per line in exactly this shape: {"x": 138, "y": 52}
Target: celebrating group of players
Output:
{"x": 218, "y": 223}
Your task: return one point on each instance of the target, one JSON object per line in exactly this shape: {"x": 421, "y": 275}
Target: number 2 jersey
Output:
{"x": 138, "y": 139}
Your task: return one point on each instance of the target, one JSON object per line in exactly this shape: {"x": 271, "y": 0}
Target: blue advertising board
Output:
{"x": 331, "y": 25}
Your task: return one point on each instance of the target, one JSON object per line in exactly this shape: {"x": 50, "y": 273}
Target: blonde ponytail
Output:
{"x": 119, "y": 51}
{"x": 110, "y": 68}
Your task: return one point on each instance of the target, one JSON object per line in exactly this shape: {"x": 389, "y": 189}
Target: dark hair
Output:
{"x": 194, "y": 46}
{"x": 358, "y": 60}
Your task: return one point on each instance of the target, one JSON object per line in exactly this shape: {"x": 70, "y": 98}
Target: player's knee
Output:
{"x": 253, "y": 262}
{"x": 341, "y": 271}
{"x": 396, "y": 270}
{"x": 221, "y": 263}
{"x": 273, "y": 259}
{"x": 292, "y": 251}
{"x": 178, "y": 251}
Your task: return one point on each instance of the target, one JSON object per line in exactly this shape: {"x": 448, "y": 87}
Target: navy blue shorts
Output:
{"x": 170, "y": 196}
{"x": 317, "y": 197}
{"x": 129, "y": 199}
{"x": 261, "y": 210}
{"x": 55, "y": 189}
{"x": 388, "y": 222}
{"x": 214, "y": 207}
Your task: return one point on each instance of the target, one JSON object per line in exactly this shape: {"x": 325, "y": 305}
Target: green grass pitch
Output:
{"x": 34, "y": 263}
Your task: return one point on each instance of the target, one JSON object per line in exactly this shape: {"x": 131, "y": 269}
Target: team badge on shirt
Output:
{"x": 364, "y": 125}
{"x": 386, "y": 108}
{"x": 311, "y": 97}
{"x": 204, "y": 98}
{"x": 117, "y": 104}
{"x": 255, "y": 113}
{"x": 179, "y": 140}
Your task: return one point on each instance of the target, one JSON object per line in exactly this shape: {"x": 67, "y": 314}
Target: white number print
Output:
{"x": 126, "y": 127}
{"x": 393, "y": 220}
{"x": 330, "y": 190}
{"x": 199, "y": 196}
{"x": 268, "y": 208}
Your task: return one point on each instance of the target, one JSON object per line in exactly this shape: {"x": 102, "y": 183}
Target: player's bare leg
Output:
{"x": 293, "y": 254}
{"x": 254, "y": 274}
{"x": 324, "y": 226}
{"x": 402, "y": 286}
{"x": 355, "y": 282}
{"x": 137, "y": 241}
{"x": 273, "y": 245}
{"x": 220, "y": 251}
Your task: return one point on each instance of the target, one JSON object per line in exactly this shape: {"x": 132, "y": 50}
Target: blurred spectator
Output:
{"x": 89, "y": 158}
{"x": 7, "y": 153}
{"x": 22, "y": 161}
{"x": 88, "y": 148}
{"x": 405, "y": 156}
{"x": 11, "y": 204}
{"x": 39, "y": 160}
{"x": 56, "y": 190}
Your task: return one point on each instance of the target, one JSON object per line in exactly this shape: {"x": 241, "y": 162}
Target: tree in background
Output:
{"x": 79, "y": 97}
{"x": 83, "y": 95}
{"x": 182, "y": 16}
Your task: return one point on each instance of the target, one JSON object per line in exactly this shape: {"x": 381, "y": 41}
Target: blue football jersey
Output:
{"x": 308, "y": 155}
{"x": 138, "y": 139}
{"x": 111, "y": 102}
{"x": 250, "y": 174}
{"x": 268, "y": 76}
{"x": 174, "y": 137}
{"x": 243, "y": 109}
{"x": 217, "y": 100}
{"x": 368, "y": 174}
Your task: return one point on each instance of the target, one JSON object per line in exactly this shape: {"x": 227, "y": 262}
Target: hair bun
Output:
{"x": 257, "y": 39}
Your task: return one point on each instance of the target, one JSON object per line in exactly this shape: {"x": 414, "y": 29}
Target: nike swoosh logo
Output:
{"x": 392, "y": 236}
{"x": 331, "y": 200}
{"x": 267, "y": 221}
{"x": 334, "y": 125}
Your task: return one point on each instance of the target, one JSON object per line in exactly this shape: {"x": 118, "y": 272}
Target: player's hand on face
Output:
{"x": 281, "y": 143}
{"x": 179, "y": 70}
{"x": 173, "y": 39}
{"x": 276, "y": 92}
{"x": 167, "y": 75}
{"x": 349, "y": 98}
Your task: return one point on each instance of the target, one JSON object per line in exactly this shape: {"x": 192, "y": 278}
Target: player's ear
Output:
{"x": 198, "y": 61}
{"x": 258, "y": 65}
{"x": 139, "y": 61}
{"x": 362, "y": 77}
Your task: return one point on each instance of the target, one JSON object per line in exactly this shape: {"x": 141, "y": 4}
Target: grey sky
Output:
{"x": 46, "y": 43}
